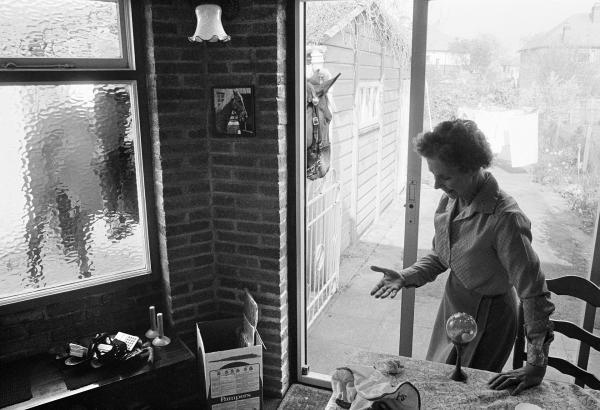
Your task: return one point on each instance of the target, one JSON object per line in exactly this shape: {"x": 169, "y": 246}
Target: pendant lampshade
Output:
{"x": 209, "y": 26}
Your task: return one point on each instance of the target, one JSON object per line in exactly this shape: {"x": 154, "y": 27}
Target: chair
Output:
{"x": 582, "y": 289}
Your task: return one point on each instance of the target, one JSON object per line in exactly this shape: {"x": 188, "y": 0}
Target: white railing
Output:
{"x": 323, "y": 230}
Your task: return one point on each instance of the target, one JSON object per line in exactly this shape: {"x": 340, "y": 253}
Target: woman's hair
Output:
{"x": 457, "y": 143}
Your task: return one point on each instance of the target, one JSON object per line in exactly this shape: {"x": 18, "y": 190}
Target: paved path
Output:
{"x": 354, "y": 320}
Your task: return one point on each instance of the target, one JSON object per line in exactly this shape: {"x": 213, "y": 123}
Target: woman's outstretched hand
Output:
{"x": 389, "y": 285}
{"x": 523, "y": 378}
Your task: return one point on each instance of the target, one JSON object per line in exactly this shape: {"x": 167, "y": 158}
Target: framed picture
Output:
{"x": 234, "y": 111}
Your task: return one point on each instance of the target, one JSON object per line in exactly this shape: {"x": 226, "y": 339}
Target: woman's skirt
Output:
{"x": 496, "y": 318}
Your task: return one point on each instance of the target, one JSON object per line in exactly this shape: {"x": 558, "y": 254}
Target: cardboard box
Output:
{"x": 231, "y": 377}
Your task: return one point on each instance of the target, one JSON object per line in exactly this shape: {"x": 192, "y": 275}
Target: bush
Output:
{"x": 559, "y": 170}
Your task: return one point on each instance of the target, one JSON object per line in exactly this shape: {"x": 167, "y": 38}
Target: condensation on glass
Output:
{"x": 60, "y": 29}
{"x": 70, "y": 172}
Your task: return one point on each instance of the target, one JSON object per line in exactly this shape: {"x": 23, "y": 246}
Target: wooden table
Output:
{"x": 170, "y": 362}
{"x": 437, "y": 391}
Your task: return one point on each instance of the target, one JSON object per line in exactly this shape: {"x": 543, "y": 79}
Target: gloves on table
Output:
{"x": 366, "y": 388}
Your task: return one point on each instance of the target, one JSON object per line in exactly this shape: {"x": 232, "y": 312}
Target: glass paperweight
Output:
{"x": 461, "y": 328}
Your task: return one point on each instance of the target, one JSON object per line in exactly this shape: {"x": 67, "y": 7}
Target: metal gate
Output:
{"x": 323, "y": 230}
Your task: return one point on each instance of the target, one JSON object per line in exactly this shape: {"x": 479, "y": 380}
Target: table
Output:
{"x": 50, "y": 391}
{"x": 439, "y": 392}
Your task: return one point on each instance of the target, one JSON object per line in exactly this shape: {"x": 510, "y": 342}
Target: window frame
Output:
{"x": 126, "y": 62}
{"x": 369, "y": 96}
{"x": 299, "y": 362}
{"x": 133, "y": 22}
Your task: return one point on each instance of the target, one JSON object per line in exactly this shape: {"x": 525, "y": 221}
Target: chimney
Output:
{"x": 595, "y": 14}
{"x": 565, "y": 32}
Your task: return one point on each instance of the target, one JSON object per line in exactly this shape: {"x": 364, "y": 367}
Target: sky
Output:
{"x": 507, "y": 20}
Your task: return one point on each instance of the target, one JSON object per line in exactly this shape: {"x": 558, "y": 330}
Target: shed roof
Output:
{"x": 581, "y": 30}
{"x": 322, "y": 17}
{"x": 324, "y": 20}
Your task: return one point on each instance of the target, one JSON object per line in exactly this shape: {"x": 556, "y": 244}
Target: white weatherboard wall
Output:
{"x": 366, "y": 157}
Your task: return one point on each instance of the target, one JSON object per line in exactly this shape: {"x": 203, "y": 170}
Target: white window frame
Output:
{"x": 34, "y": 71}
{"x": 369, "y": 97}
{"x": 126, "y": 62}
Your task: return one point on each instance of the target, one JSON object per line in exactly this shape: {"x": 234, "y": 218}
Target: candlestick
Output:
{"x": 152, "y": 332}
{"x": 161, "y": 339}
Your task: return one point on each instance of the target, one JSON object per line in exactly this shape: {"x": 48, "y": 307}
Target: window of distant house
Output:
{"x": 72, "y": 203}
{"x": 583, "y": 56}
{"x": 369, "y": 101}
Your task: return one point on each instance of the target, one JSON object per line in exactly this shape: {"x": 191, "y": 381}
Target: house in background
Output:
{"x": 564, "y": 62}
{"x": 579, "y": 33}
{"x": 510, "y": 68}
{"x": 440, "y": 57}
{"x": 579, "y": 36}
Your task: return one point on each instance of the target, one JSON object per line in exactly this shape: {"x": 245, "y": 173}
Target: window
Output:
{"x": 369, "y": 102}
{"x": 544, "y": 131}
{"x": 73, "y": 200}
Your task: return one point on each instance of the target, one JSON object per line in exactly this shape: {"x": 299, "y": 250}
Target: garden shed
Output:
{"x": 368, "y": 45}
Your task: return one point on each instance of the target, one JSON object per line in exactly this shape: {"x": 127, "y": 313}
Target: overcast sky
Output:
{"x": 507, "y": 20}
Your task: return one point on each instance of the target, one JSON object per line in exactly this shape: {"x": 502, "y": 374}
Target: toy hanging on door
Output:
{"x": 318, "y": 117}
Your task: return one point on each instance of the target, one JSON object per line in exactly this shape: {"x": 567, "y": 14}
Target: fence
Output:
{"x": 323, "y": 231}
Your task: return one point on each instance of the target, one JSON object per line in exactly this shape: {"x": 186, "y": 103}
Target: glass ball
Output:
{"x": 461, "y": 327}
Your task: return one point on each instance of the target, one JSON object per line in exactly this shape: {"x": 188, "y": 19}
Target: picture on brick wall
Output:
{"x": 234, "y": 111}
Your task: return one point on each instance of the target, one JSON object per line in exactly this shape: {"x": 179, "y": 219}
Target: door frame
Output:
{"x": 417, "y": 87}
{"x": 412, "y": 198}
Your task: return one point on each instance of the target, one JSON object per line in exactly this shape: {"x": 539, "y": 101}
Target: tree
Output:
{"x": 481, "y": 52}
{"x": 478, "y": 82}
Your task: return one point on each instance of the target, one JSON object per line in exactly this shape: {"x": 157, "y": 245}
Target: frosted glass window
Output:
{"x": 72, "y": 196}
{"x": 61, "y": 29}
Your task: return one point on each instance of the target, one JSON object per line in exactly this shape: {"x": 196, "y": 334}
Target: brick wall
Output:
{"x": 225, "y": 217}
{"x": 179, "y": 103}
{"x": 220, "y": 202}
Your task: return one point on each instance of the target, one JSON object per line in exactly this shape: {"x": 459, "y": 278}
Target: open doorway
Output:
{"x": 536, "y": 98}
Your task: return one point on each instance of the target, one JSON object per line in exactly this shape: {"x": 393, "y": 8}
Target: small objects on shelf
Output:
{"x": 153, "y": 331}
{"x": 161, "y": 339}
{"x": 106, "y": 348}
{"x": 72, "y": 360}
{"x": 76, "y": 350}
{"x": 130, "y": 340}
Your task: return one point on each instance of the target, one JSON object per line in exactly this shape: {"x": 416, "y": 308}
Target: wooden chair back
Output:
{"x": 582, "y": 289}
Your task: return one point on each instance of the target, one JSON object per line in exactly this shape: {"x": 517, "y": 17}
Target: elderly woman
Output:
{"x": 484, "y": 238}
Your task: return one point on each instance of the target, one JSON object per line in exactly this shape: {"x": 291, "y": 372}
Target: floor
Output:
{"x": 270, "y": 403}
{"x": 354, "y": 320}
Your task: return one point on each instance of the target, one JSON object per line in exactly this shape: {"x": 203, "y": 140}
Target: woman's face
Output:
{"x": 451, "y": 180}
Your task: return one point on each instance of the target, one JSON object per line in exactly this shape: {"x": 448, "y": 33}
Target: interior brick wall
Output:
{"x": 225, "y": 197}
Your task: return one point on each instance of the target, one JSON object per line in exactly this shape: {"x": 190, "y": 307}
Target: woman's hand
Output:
{"x": 523, "y": 378}
{"x": 391, "y": 283}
